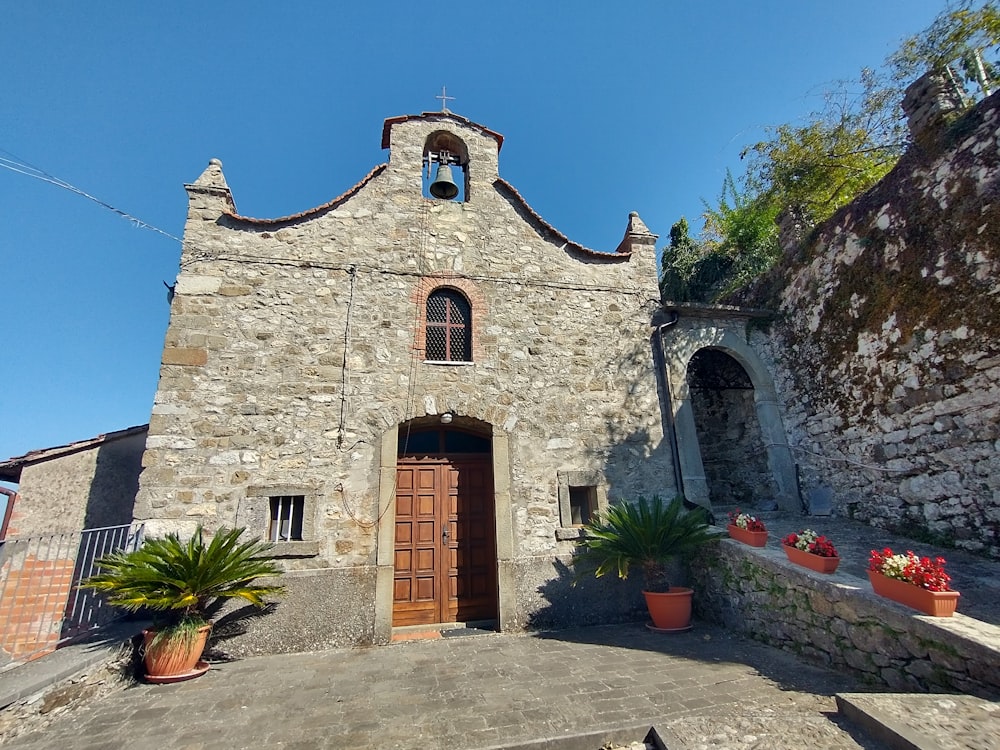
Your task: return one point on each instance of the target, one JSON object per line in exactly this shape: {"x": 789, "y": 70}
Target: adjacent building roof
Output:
{"x": 10, "y": 470}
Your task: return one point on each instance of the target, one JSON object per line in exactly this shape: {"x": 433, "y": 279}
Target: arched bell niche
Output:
{"x": 446, "y": 161}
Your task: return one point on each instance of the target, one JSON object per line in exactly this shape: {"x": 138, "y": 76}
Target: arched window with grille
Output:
{"x": 448, "y": 327}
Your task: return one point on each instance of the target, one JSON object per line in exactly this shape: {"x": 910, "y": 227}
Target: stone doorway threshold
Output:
{"x": 444, "y": 630}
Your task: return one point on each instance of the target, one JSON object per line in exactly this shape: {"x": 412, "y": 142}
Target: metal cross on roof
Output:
{"x": 444, "y": 99}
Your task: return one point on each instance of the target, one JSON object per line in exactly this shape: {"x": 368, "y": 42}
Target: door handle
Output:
{"x": 444, "y": 533}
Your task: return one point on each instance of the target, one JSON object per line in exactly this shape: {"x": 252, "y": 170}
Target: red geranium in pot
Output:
{"x": 811, "y": 550}
{"x": 917, "y": 582}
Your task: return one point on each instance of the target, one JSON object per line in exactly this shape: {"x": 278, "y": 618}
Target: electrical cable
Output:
{"x": 270, "y": 260}
{"x": 21, "y": 167}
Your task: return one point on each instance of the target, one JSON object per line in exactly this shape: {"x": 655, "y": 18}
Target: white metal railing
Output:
{"x": 41, "y": 606}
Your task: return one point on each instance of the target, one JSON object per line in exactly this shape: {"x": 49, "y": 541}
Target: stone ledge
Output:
{"x": 837, "y": 619}
{"x": 569, "y": 534}
{"x": 295, "y": 549}
{"x": 923, "y": 722}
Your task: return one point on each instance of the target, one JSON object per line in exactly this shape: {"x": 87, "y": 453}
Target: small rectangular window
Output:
{"x": 582, "y": 504}
{"x": 286, "y": 518}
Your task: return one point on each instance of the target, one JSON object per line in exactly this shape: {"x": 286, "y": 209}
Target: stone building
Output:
{"x": 83, "y": 485}
{"x": 90, "y": 484}
{"x": 418, "y": 398}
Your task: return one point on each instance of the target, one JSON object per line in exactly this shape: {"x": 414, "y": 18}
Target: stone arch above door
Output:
{"x": 725, "y": 330}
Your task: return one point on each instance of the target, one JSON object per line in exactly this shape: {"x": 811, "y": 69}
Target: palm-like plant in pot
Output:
{"x": 647, "y": 534}
{"x": 180, "y": 581}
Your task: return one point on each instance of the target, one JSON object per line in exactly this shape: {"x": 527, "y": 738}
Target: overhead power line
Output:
{"x": 21, "y": 167}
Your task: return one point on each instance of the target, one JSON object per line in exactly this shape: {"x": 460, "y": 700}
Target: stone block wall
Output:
{"x": 302, "y": 618}
{"x": 732, "y": 447}
{"x": 886, "y": 352}
{"x": 295, "y": 352}
{"x": 88, "y": 488}
{"x": 839, "y": 622}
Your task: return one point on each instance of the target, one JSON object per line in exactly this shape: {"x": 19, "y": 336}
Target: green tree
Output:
{"x": 741, "y": 229}
{"x": 679, "y": 257}
{"x": 959, "y": 43}
{"x": 839, "y": 151}
{"x": 739, "y": 242}
{"x": 842, "y": 150}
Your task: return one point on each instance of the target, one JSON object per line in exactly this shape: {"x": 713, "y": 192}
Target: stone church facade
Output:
{"x": 418, "y": 399}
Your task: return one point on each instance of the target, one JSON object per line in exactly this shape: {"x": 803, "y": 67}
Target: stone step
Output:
{"x": 913, "y": 721}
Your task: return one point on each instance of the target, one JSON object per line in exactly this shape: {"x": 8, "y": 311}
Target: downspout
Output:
{"x": 8, "y": 511}
{"x": 666, "y": 405}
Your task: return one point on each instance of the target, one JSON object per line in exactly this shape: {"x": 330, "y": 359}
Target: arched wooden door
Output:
{"x": 445, "y": 538}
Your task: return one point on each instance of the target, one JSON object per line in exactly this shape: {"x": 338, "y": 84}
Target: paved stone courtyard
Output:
{"x": 703, "y": 689}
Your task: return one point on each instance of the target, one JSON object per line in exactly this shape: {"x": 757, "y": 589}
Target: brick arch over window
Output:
{"x": 448, "y": 287}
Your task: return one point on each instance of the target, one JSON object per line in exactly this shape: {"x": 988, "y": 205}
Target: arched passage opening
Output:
{"x": 733, "y": 451}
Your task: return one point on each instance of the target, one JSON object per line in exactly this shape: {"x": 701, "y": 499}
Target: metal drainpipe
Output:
{"x": 666, "y": 409}
{"x": 8, "y": 511}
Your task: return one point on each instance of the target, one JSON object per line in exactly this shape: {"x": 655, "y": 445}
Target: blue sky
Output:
{"x": 605, "y": 107}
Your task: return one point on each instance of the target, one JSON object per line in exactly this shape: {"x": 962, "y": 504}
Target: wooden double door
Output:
{"x": 445, "y": 547}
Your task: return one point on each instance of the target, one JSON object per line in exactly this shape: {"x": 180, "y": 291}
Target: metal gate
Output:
{"x": 41, "y": 607}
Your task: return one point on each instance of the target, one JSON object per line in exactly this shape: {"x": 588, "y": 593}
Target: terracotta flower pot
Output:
{"x": 936, "y": 603}
{"x": 809, "y": 560}
{"x": 174, "y": 659}
{"x": 753, "y": 538}
{"x": 670, "y": 610}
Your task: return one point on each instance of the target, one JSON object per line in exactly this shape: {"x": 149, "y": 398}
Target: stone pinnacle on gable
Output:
{"x": 212, "y": 176}
{"x": 205, "y": 192}
{"x": 636, "y": 234}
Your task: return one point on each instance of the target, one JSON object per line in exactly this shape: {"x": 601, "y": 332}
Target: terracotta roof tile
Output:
{"x": 312, "y": 211}
{"x": 438, "y": 115}
{"x": 505, "y": 187}
{"x": 502, "y": 185}
{"x": 10, "y": 470}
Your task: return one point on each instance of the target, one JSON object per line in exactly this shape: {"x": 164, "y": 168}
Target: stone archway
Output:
{"x": 724, "y": 330}
{"x": 728, "y": 430}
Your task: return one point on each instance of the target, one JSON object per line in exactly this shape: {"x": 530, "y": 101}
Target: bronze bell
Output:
{"x": 444, "y": 186}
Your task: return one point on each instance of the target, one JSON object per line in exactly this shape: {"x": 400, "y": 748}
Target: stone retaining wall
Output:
{"x": 885, "y": 351}
{"x": 838, "y": 621}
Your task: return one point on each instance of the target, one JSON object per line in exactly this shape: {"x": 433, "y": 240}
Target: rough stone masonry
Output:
{"x": 886, "y": 356}
{"x": 295, "y": 366}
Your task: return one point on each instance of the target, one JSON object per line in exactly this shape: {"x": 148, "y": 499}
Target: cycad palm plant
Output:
{"x": 647, "y": 534}
{"x": 181, "y": 580}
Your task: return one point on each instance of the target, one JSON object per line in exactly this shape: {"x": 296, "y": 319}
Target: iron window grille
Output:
{"x": 449, "y": 327}
{"x": 286, "y": 518}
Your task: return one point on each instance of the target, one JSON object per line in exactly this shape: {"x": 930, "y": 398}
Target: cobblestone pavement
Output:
{"x": 707, "y": 688}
